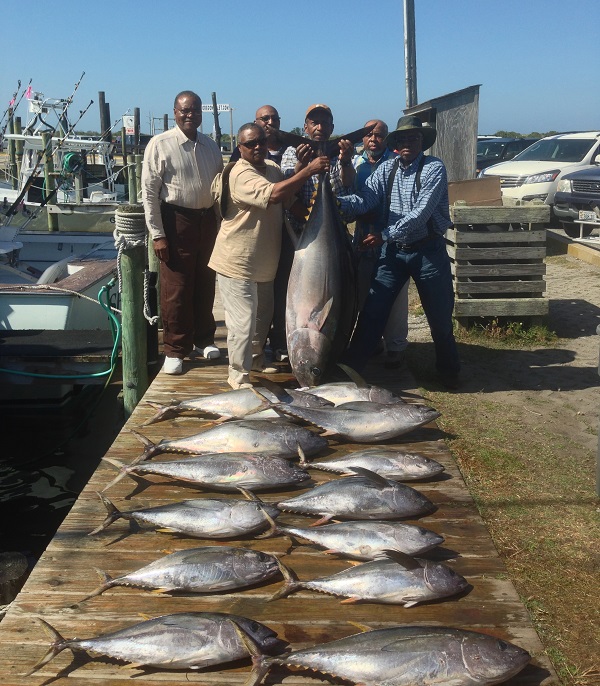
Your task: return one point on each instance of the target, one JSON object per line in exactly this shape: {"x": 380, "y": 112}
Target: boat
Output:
{"x": 87, "y": 194}
{"x": 58, "y": 313}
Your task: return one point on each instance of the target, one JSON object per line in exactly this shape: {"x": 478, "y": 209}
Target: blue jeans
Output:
{"x": 429, "y": 266}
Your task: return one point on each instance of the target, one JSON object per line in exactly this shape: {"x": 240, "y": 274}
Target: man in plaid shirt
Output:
{"x": 413, "y": 191}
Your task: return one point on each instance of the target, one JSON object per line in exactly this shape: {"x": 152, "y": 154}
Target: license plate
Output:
{"x": 588, "y": 216}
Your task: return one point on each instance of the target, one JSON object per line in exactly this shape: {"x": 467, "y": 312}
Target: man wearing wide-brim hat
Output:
{"x": 413, "y": 191}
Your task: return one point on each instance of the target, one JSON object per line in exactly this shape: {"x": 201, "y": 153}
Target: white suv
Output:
{"x": 535, "y": 172}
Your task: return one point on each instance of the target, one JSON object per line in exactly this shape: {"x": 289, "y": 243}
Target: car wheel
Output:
{"x": 572, "y": 230}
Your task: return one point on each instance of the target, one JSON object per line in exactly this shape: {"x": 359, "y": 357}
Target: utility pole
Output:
{"x": 410, "y": 53}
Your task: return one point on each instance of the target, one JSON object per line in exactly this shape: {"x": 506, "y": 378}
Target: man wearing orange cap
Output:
{"x": 318, "y": 126}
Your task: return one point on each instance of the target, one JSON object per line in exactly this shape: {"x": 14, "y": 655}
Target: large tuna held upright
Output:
{"x": 321, "y": 296}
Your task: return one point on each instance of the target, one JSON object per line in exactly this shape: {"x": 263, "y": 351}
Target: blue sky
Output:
{"x": 538, "y": 61}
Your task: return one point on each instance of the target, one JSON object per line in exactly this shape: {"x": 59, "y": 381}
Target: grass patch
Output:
{"x": 507, "y": 333}
{"x": 533, "y": 486}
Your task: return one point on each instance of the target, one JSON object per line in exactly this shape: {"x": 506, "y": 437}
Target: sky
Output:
{"x": 537, "y": 61}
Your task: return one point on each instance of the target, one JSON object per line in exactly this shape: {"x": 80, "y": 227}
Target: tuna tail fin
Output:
{"x": 107, "y": 582}
{"x": 291, "y": 582}
{"x": 273, "y": 529}
{"x": 163, "y": 412}
{"x": 151, "y": 449}
{"x": 58, "y": 645}
{"x": 113, "y": 515}
{"x": 303, "y": 461}
{"x": 123, "y": 469}
{"x": 260, "y": 665}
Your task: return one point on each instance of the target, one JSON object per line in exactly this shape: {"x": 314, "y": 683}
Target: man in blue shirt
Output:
{"x": 413, "y": 191}
{"x": 375, "y": 152}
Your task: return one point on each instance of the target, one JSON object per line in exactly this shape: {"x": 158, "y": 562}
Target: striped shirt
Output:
{"x": 409, "y": 211}
{"x": 178, "y": 171}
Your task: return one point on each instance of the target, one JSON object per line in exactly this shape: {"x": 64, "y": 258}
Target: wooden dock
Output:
{"x": 65, "y": 573}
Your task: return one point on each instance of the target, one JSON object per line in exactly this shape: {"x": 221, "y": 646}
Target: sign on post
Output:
{"x": 129, "y": 124}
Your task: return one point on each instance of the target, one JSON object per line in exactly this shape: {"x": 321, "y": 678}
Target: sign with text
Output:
{"x": 220, "y": 108}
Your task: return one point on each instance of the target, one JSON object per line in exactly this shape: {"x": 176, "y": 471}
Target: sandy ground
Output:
{"x": 555, "y": 386}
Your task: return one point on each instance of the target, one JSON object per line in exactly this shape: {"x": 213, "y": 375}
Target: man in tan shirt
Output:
{"x": 179, "y": 167}
{"x": 246, "y": 252}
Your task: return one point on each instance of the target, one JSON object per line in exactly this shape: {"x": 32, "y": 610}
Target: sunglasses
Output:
{"x": 255, "y": 143}
{"x": 269, "y": 117}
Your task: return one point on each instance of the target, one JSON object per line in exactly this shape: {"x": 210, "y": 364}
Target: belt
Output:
{"x": 417, "y": 245}
{"x": 188, "y": 210}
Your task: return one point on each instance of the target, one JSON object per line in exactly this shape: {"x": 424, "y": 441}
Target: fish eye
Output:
{"x": 316, "y": 371}
{"x": 502, "y": 645}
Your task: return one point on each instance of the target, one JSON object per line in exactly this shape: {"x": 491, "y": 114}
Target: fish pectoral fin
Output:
{"x": 410, "y": 603}
{"x": 318, "y": 318}
{"x": 402, "y": 559}
{"x": 349, "y": 601}
{"x": 323, "y": 520}
{"x": 362, "y": 627}
{"x": 160, "y": 591}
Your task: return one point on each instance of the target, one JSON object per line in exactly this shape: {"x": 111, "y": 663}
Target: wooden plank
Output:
{"x": 498, "y": 287}
{"x": 496, "y": 253}
{"x": 490, "y": 270}
{"x": 501, "y": 238}
{"x": 465, "y": 214}
{"x": 493, "y": 307}
{"x": 65, "y": 573}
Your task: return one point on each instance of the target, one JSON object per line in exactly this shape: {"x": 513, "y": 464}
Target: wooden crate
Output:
{"x": 498, "y": 261}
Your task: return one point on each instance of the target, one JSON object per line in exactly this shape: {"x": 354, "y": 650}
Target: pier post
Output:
{"x": 49, "y": 180}
{"x": 19, "y": 146}
{"x": 130, "y": 229}
{"x": 131, "y": 179}
{"x": 12, "y": 154}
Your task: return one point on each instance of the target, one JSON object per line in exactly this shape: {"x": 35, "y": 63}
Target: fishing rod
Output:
{"x": 12, "y": 210}
{"x": 12, "y": 106}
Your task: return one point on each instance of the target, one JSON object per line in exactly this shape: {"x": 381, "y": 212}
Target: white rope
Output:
{"x": 130, "y": 232}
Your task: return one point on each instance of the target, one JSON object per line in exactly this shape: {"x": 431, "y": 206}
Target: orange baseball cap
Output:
{"x": 318, "y": 107}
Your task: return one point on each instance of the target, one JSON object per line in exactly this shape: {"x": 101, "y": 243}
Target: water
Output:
{"x": 47, "y": 457}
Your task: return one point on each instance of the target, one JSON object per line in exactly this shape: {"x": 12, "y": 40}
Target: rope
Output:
{"x": 130, "y": 232}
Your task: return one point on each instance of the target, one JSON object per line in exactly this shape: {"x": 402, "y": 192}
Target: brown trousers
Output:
{"x": 187, "y": 285}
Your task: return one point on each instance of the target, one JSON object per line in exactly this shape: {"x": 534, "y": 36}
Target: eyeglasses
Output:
{"x": 255, "y": 143}
{"x": 192, "y": 110}
{"x": 269, "y": 117}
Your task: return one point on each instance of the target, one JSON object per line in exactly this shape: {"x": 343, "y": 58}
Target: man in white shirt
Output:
{"x": 179, "y": 167}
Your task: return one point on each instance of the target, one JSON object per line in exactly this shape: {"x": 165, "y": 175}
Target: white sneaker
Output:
{"x": 211, "y": 352}
{"x": 265, "y": 370}
{"x": 172, "y": 365}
